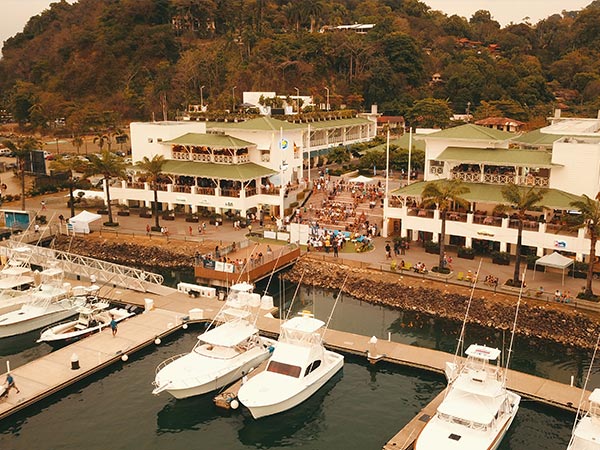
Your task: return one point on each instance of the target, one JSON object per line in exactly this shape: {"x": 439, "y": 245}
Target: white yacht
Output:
{"x": 48, "y": 304}
{"x": 586, "y": 434}
{"x": 299, "y": 366}
{"x": 222, "y": 355}
{"x": 477, "y": 409}
{"x": 93, "y": 317}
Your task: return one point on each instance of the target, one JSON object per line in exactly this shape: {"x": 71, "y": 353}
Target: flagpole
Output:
{"x": 387, "y": 167}
{"x": 409, "y": 153}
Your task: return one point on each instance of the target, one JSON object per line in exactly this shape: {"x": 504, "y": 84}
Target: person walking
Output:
{"x": 113, "y": 325}
{"x": 388, "y": 250}
{"x": 10, "y": 383}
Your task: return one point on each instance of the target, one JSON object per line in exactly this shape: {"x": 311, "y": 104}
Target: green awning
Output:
{"x": 492, "y": 193}
{"x": 210, "y": 140}
{"x": 497, "y": 156}
{"x": 238, "y": 172}
{"x": 264, "y": 123}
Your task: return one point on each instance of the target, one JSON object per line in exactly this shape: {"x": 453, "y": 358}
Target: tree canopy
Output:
{"x": 95, "y": 62}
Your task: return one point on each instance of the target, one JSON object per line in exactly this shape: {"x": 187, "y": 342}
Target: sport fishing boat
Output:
{"x": 222, "y": 355}
{"x": 299, "y": 367}
{"x": 48, "y": 304}
{"x": 586, "y": 433}
{"x": 477, "y": 409}
{"x": 93, "y": 317}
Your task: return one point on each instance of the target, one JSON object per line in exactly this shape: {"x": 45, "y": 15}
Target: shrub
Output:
{"x": 591, "y": 298}
{"x": 443, "y": 270}
{"x": 466, "y": 252}
{"x": 432, "y": 247}
{"x": 502, "y": 258}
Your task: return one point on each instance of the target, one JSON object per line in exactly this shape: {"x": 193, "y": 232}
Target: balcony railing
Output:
{"x": 421, "y": 212}
{"x": 230, "y": 193}
{"x": 182, "y": 188}
{"x": 487, "y": 220}
{"x": 469, "y": 177}
{"x": 250, "y": 192}
{"x": 456, "y": 216}
{"x": 205, "y": 190}
{"x": 530, "y": 180}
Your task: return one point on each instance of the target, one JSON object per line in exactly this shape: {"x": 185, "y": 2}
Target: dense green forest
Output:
{"x": 98, "y": 62}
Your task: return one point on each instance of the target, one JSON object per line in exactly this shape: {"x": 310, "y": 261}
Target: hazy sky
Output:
{"x": 15, "y": 13}
{"x": 506, "y": 11}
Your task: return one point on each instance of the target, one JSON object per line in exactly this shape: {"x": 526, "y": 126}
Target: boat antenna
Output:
{"x": 334, "y": 305}
{"x": 461, "y": 337}
{"x": 295, "y": 293}
{"x": 273, "y": 271}
{"x": 514, "y": 327}
{"x": 587, "y": 378}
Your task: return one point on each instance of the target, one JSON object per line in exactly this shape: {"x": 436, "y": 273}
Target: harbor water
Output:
{"x": 360, "y": 408}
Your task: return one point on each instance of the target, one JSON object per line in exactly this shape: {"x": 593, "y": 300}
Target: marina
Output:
{"x": 52, "y": 373}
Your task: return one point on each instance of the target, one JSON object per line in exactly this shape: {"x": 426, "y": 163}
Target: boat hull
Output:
{"x": 57, "y": 337}
{"x": 35, "y": 323}
{"x": 491, "y": 442}
{"x": 208, "y": 382}
{"x": 336, "y": 362}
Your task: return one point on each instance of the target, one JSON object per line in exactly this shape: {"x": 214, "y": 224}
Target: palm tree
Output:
{"x": 109, "y": 166}
{"x": 590, "y": 220}
{"x": 77, "y": 142}
{"x": 444, "y": 194}
{"x": 521, "y": 200}
{"x": 101, "y": 140}
{"x": 22, "y": 149}
{"x": 152, "y": 168}
{"x": 72, "y": 166}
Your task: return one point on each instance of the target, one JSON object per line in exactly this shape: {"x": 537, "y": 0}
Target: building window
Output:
{"x": 150, "y": 140}
{"x": 158, "y": 139}
{"x": 436, "y": 167}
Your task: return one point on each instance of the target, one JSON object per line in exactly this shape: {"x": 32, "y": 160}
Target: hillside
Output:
{"x": 97, "y": 62}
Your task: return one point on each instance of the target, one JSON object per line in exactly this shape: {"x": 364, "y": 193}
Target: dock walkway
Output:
{"x": 51, "y": 373}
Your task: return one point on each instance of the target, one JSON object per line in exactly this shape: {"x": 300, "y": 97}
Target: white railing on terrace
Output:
{"x": 105, "y": 272}
{"x": 530, "y": 180}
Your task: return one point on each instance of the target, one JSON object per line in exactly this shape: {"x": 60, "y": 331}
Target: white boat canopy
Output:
{"x": 303, "y": 324}
{"x": 229, "y": 334}
{"x": 483, "y": 352}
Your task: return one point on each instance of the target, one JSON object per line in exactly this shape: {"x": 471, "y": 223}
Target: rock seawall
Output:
{"x": 552, "y": 322}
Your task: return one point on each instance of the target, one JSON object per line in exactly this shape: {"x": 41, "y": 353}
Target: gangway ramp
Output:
{"x": 90, "y": 268}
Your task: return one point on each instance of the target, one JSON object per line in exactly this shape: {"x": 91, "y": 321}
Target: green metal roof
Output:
{"x": 536, "y": 138}
{"x": 239, "y": 172}
{"x": 264, "y": 123}
{"x": 472, "y": 132}
{"x": 338, "y": 123}
{"x": 497, "y": 156}
{"x": 492, "y": 193}
{"x": 210, "y": 140}
{"x": 417, "y": 144}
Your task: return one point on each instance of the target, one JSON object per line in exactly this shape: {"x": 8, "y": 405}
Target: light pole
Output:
{"x": 201, "y": 99}
{"x": 298, "y": 99}
{"x": 327, "y": 102}
{"x": 233, "y": 96}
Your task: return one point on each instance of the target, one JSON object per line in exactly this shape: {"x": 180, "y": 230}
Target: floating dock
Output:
{"x": 53, "y": 372}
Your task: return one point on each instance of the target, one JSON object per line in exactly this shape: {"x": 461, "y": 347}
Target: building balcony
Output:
{"x": 496, "y": 178}
{"x": 420, "y": 212}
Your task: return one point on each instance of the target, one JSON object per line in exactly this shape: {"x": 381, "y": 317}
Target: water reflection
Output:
{"x": 299, "y": 425}
{"x": 530, "y": 355}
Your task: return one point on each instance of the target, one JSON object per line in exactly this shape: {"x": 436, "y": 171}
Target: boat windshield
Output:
{"x": 465, "y": 423}
{"x": 284, "y": 369}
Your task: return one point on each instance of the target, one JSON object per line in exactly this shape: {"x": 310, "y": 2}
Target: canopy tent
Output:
{"x": 81, "y": 222}
{"x": 555, "y": 260}
{"x": 360, "y": 179}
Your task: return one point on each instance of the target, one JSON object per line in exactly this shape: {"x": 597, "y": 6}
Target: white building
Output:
{"x": 234, "y": 168}
{"x": 563, "y": 158}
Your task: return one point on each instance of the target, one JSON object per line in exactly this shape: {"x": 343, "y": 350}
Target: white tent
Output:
{"x": 81, "y": 222}
{"x": 555, "y": 260}
{"x": 360, "y": 179}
